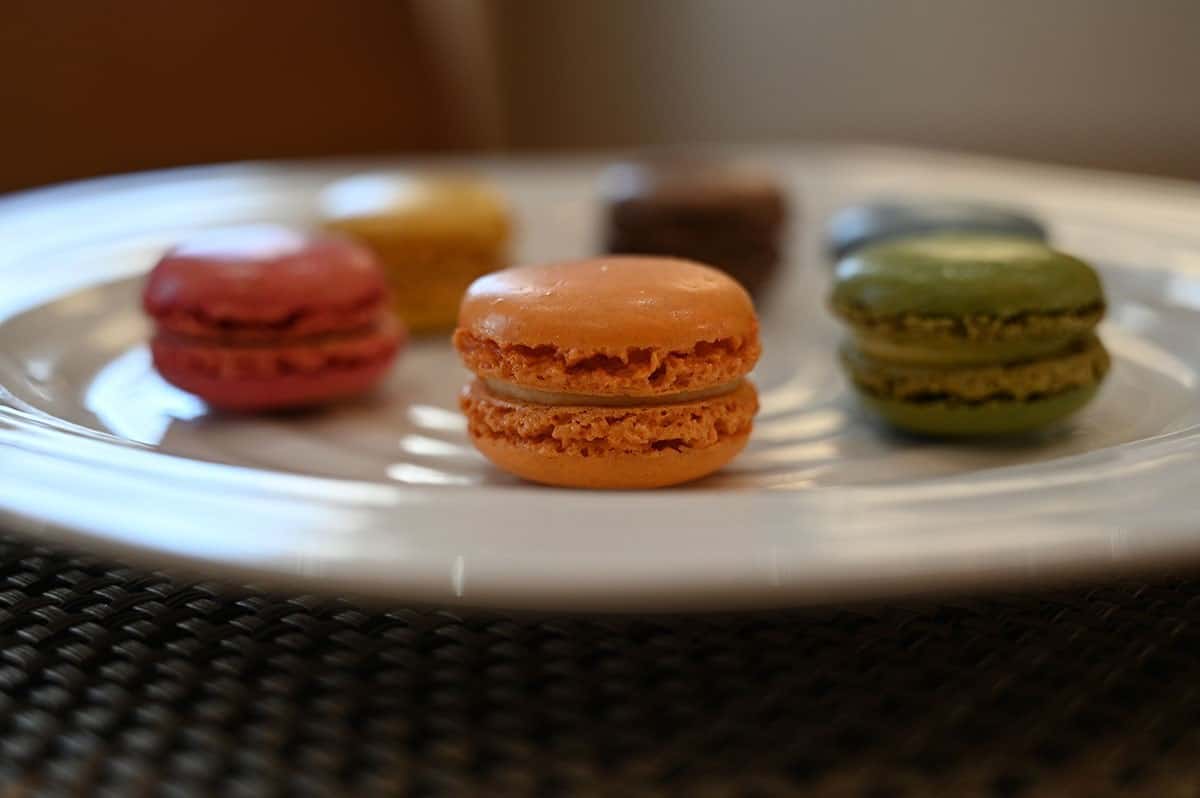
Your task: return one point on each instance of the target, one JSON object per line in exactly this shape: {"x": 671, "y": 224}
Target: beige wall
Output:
{"x": 1112, "y": 83}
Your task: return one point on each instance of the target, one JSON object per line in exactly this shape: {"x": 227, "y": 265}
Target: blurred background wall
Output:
{"x": 1109, "y": 83}
{"x": 91, "y": 88}
{"x": 98, "y": 86}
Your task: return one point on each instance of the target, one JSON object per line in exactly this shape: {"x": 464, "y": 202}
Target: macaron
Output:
{"x": 729, "y": 216}
{"x": 264, "y": 317}
{"x": 433, "y": 236}
{"x": 962, "y": 335}
{"x": 858, "y": 226}
{"x": 613, "y": 372}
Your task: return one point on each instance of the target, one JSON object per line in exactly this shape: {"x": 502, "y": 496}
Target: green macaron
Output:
{"x": 969, "y": 334}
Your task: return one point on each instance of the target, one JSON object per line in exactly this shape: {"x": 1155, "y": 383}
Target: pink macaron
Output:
{"x": 264, "y": 317}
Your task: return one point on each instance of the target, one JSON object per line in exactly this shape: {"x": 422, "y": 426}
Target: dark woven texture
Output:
{"x": 121, "y": 683}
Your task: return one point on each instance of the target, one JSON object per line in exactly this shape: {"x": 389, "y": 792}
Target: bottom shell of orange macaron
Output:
{"x": 609, "y": 447}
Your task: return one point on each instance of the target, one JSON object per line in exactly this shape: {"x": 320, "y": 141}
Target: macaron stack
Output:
{"x": 618, "y": 372}
{"x": 265, "y": 318}
{"x": 433, "y": 236}
{"x": 962, "y": 335}
{"x": 727, "y": 216}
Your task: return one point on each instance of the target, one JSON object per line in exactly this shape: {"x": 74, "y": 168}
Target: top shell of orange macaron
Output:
{"x": 628, "y": 326}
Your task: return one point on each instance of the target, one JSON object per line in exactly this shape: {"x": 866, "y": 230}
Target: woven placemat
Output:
{"x": 117, "y": 682}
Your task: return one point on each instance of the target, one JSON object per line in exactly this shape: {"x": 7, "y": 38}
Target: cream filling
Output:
{"x": 520, "y": 393}
{"x": 954, "y": 353}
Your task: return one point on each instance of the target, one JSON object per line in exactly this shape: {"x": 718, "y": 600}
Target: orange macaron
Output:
{"x": 613, "y": 372}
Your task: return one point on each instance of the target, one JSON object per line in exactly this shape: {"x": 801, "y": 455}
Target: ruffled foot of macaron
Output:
{"x": 617, "y": 372}
{"x": 265, "y": 317}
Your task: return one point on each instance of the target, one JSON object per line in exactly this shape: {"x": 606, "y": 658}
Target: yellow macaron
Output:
{"x": 433, "y": 234}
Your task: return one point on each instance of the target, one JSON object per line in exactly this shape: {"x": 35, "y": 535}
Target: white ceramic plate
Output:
{"x": 385, "y": 498}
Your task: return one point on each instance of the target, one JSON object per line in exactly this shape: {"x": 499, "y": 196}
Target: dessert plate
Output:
{"x": 385, "y": 499}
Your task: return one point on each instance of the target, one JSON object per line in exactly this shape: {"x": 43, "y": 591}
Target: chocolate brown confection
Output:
{"x": 727, "y": 217}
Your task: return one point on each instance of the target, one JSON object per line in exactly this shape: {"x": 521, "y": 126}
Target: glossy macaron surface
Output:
{"x": 414, "y": 206}
{"x": 858, "y": 226}
{"x": 954, "y": 274}
{"x": 611, "y": 303}
{"x": 245, "y": 268}
{"x": 693, "y": 186}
